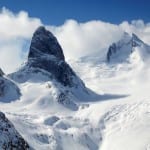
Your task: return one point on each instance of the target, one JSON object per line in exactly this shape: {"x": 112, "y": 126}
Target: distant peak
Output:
{"x": 127, "y": 38}
{"x": 45, "y": 43}
{"x": 121, "y": 50}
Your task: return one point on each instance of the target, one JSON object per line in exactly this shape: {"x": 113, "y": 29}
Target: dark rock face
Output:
{"x": 60, "y": 70}
{"x": 46, "y": 53}
{"x": 9, "y": 137}
{"x": 45, "y": 43}
{"x": 9, "y": 91}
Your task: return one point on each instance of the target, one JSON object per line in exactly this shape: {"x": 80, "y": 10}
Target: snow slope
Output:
{"x": 118, "y": 119}
{"x": 124, "y": 123}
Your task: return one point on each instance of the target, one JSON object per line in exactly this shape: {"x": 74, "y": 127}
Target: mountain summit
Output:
{"x": 45, "y": 43}
{"x": 46, "y": 65}
{"x": 122, "y": 50}
{"x": 46, "y": 53}
{"x": 46, "y": 56}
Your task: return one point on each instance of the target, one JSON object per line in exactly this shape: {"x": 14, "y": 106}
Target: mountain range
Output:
{"x": 84, "y": 105}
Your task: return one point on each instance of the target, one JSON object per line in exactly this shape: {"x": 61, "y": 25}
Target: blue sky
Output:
{"x": 55, "y": 12}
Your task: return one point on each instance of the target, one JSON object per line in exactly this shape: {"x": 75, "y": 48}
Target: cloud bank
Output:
{"x": 77, "y": 39}
{"x": 15, "y": 31}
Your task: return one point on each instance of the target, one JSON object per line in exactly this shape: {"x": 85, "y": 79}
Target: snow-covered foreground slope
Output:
{"x": 116, "y": 123}
{"x": 124, "y": 122}
{"x": 118, "y": 119}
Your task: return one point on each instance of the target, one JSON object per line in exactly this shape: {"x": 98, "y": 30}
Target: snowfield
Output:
{"x": 116, "y": 123}
{"x": 116, "y": 118}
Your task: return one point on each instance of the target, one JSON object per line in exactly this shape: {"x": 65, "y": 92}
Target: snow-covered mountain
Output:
{"x": 127, "y": 49}
{"x": 9, "y": 137}
{"x": 56, "y": 111}
{"x": 46, "y": 63}
{"x": 46, "y": 56}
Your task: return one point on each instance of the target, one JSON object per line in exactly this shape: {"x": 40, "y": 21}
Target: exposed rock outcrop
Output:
{"x": 10, "y": 139}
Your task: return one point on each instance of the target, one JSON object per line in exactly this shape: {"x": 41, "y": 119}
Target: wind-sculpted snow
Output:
{"x": 46, "y": 55}
{"x": 9, "y": 137}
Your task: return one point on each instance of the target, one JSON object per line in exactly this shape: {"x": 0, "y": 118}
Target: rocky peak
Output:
{"x": 121, "y": 50}
{"x": 9, "y": 137}
{"x": 46, "y": 57}
{"x": 45, "y": 43}
{"x": 45, "y": 53}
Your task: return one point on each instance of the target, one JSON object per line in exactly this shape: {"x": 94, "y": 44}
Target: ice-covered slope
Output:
{"x": 9, "y": 91}
{"x": 9, "y": 137}
{"x": 127, "y": 49}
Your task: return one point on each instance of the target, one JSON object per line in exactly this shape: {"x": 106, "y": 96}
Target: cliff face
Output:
{"x": 9, "y": 137}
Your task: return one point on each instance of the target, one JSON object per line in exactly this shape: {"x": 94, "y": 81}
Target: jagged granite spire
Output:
{"x": 45, "y": 63}
{"x": 45, "y": 43}
{"x": 46, "y": 60}
{"x": 9, "y": 137}
{"x": 45, "y": 53}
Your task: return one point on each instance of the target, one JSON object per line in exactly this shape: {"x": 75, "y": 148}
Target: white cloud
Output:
{"x": 15, "y": 29}
{"x": 16, "y": 25}
{"x": 77, "y": 39}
